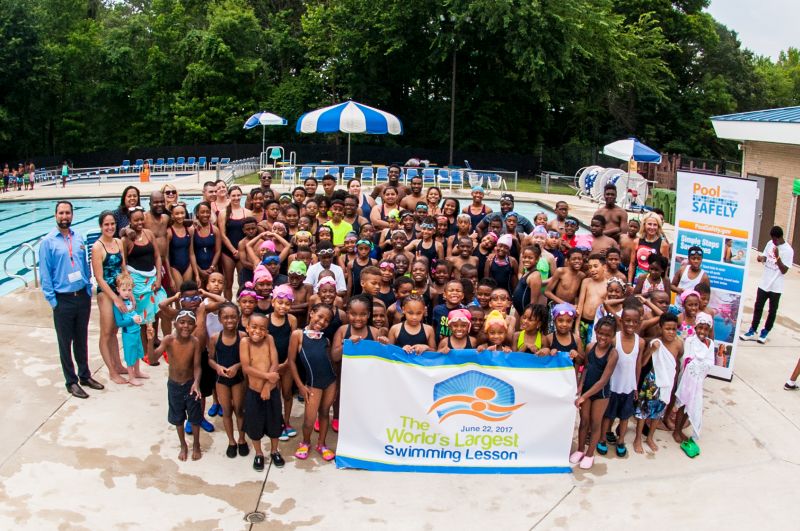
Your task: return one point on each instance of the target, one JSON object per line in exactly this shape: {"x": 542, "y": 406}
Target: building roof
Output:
{"x": 784, "y": 115}
{"x": 779, "y": 126}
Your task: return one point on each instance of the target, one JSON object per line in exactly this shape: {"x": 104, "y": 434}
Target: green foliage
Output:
{"x": 86, "y": 75}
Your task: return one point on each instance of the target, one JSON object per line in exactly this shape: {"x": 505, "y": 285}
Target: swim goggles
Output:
{"x": 365, "y": 242}
{"x": 249, "y": 293}
{"x": 136, "y": 208}
{"x": 422, "y": 207}
{"x": 271, "y": 260}
{"x": 312, "y": 334}
{"x": 186, "y": 313}
{"x": 325, "y": 252}
{"x": 284, "y": 291}
{"x": 430, "y": 226}
{"x": 570, "y": 221}
{"x": 554, "y": 234}
{"x": 193, "y": 298}
{"x": 695, "y": 252}
{"x": 386, "y": 265}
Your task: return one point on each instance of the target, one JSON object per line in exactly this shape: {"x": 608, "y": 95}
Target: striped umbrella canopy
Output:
{"x": 349, "y": 117}
{"x": 631, "y": 149}
{"x": 264, "y": 119}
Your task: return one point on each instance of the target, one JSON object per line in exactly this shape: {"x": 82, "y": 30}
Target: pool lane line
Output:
{"x": 11, "y": 248}
{"x": 52, "y": 216}
{"x": 24, "y": 213}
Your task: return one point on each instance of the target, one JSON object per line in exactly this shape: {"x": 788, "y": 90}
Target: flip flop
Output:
{"x": 602, "y": 448}
{"x": 576, "y": 457}
{"x": 586, "y": 463}
{"x": 621, "y": 450}
{"x": 690, "y": 448}
{"x": 302, "y": 451}
{"x": 611, "y": 437}
{"x": 326, "y": 453}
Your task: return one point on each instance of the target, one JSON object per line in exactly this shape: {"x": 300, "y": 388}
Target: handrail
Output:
{"x": 28, "y": 250}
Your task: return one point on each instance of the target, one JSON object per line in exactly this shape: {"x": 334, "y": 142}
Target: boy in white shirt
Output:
{"x": 777, "y": 258}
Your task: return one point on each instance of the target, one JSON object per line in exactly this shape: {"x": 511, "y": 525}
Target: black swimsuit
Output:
{"x": 179, "y": 252}
{"x": 595, "y": 367}
{"x": 405, "y": 338}
{"x": 564, "y": 348}
{"x": 228, "y": 356}
{"x": 429, "y": 253}
{"x": 280, "y": 334}
{"x": 142, "y": 257}
{"x": 204, "y": 248}
{"x": 451, "y": 347}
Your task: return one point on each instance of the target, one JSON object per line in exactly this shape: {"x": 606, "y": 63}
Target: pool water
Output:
{"x": 28, "y": 221}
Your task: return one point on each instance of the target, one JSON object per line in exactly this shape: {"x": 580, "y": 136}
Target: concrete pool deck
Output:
{"x": 110, "y": 461}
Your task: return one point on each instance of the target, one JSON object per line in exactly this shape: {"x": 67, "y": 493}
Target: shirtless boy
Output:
{"x": 565, "y": 284}
{"x": 601, "y": 243}
{"x": 615, "y": 216}
{"x": 613, "y": 257}
{"x": 592, "y": 294}
{"x": 463, "y": 256}
{"x": 627, "y": 243}
{"x": 262, "y": 409}
{"x": 183, "y": 385}
{"x": 557, "y": 223}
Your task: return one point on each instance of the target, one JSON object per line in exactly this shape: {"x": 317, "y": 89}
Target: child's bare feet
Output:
{"x": 135, "y": 382}
{"x": 117, "y": 379}
{"x": 637, "y": 445}
{"x": 196, "y": 453}
{"x": 142, "y": 375}
{"x": 652, "y": 444}
{"x": 678, "y": 436}
{"x": 183, "y": 453}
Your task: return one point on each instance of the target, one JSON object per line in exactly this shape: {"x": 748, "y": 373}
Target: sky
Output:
{"x": 764, "y": 26}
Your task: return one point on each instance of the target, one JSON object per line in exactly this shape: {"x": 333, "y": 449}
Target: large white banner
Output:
{"x": 460, "y": 412}
{"x": 716, "y": 213}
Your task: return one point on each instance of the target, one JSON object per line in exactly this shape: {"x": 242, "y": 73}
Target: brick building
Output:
{"x": 770, "y": 145}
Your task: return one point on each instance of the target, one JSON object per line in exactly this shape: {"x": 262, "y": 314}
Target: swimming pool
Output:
{"x": 28, "y": 221}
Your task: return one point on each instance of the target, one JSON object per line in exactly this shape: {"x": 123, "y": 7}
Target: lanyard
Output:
{"x": 69, "y": 248}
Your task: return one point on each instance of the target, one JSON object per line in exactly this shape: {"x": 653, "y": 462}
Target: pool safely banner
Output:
{"x": 716, "y": 213}
{"x": 461, "y": 412}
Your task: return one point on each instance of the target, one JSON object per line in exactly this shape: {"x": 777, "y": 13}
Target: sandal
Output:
{"x": 326, "y": 453}
{"x": 621, "y": 450}
{"x": 586, "y": 462}
{"x": 576, "y": 457}
{"x": 690, "y": 448}
{"x": 302, "y": 451}
{"x": 602, "y": 448}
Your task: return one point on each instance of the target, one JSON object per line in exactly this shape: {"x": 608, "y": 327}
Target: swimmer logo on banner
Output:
{"x": 716, "y": 213}
{"x": 461, "y": 412}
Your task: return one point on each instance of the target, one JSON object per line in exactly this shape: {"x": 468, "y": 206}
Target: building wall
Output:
{"x": 776, "y": 160}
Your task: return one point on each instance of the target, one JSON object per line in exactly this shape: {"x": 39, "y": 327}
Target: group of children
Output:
{"x": 426, "y": 284}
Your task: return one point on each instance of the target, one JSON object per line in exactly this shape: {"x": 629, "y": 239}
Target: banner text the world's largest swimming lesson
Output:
{"x": 461, "y": 412}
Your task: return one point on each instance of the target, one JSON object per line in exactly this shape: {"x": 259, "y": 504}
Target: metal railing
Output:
{"x": 238, "y": 168}
{"x": 27, "y": 249}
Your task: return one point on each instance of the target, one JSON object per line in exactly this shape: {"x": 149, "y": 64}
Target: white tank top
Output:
{"x": 687, "y": 283}
{"x": 623, "y": 379}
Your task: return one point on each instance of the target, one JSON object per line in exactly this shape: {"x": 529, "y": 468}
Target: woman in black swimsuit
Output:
{"x": 180, "y": 237}
{"x": 230, "y": 223}
{"x": 379, "y": 215}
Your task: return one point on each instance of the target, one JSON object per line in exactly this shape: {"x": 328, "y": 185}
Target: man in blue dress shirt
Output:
{"x": 67, "y": 287}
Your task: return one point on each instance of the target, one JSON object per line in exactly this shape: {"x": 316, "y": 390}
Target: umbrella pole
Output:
{"x": 263, "y": 138}
{"x": 348, "y": 149}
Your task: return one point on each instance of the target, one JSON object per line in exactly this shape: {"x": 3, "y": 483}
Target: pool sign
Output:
{"x": 461, "y": 412}
{"x": 716, "y": 214}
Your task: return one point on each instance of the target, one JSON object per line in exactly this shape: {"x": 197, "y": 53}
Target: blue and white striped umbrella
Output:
{"x": 631, "y": 149}
{"x": 350, "y": 117}
{"x": 264, "y": 118}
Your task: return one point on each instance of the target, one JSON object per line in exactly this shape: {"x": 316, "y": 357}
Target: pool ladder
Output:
{"x": 27, "y": 250}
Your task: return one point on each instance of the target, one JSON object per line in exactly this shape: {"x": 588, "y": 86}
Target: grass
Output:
{"x": 523, "y": 185}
